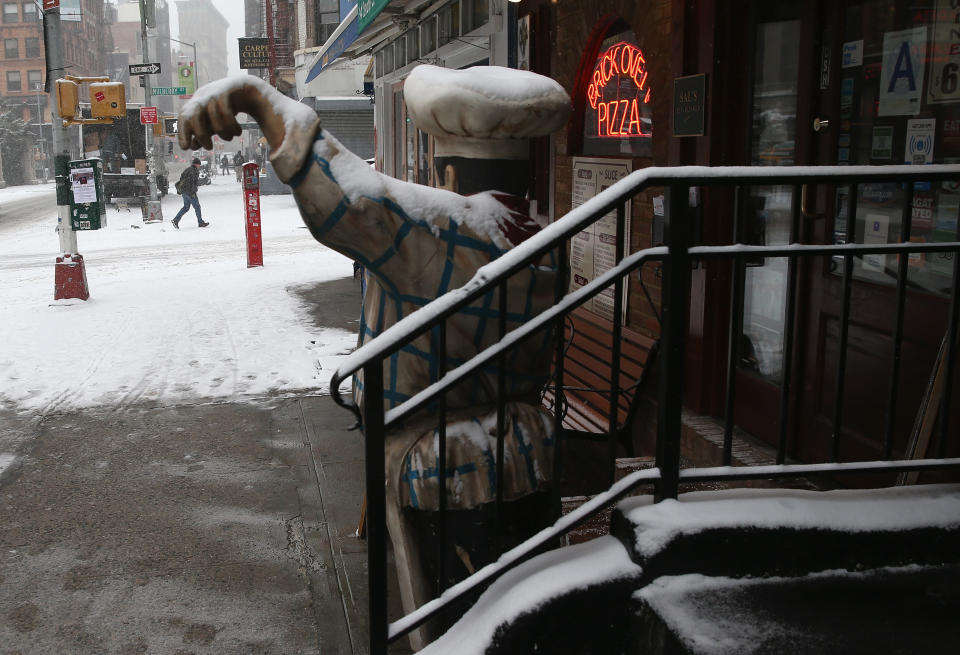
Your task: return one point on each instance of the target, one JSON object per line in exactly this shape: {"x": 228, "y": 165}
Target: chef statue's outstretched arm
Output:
{"x": 345, "y": 203}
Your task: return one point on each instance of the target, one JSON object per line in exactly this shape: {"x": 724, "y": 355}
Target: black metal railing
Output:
{"x": 676, "y": 258}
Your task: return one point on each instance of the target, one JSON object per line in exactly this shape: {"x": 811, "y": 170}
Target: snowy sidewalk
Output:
{"x": 172, "y": 476}
{"x": 174, "y": 315}
{"x": 219, "y": 528}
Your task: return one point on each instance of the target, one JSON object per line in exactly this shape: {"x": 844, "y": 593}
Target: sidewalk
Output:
{"x": 216, "y": 528}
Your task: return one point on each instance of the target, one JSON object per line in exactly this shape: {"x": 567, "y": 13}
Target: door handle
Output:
{"x": 820, "y": 124}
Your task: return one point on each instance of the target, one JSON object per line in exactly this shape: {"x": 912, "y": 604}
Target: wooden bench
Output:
{"x": 588, "y": 374}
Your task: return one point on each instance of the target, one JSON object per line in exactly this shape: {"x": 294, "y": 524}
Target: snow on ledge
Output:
{"x": 532, "y": 584}
{"x": 859, "y": 510}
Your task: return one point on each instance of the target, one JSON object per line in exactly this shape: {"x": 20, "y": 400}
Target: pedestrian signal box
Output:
{"x": 170, "y": 125}
{"x": 68, "y": 99}
{"x": 108, "y": 100}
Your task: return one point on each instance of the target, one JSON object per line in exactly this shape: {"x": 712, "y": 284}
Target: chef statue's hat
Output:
{"x": 484, "y": 112}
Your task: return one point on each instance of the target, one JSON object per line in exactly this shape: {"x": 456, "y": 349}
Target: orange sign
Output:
{"x": 617, "y": 89}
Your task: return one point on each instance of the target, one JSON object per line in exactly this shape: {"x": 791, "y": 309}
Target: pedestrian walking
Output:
{"x": 238, "y": 165}
{"x": 187, "y": 187}
{"x": 224, "y": 165}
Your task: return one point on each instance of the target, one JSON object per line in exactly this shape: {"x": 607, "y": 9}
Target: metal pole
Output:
{"x": 147, "y": 100}
{"x": 196, "y": 68}
{"x": 43, "y": 146}
{"x": 54, "y": 45}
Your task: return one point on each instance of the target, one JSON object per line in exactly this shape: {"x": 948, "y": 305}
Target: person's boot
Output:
{"x": 203, "y": 224}
{"x": 176, "y": 223}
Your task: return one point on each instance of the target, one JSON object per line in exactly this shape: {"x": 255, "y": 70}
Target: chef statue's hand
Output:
{"x": 288, "y": 125}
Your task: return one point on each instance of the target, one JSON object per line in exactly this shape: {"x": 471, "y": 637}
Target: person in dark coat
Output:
{"x": 224, "y": 165}
{"x": 238, "y": 165}
{"x": 188, "y": 189}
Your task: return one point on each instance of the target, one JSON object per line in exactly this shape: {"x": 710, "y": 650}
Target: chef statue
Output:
{"x": 416, "y": 243}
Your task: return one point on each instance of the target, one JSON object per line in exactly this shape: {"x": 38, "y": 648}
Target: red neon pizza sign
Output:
{"x": 617, "y": 87}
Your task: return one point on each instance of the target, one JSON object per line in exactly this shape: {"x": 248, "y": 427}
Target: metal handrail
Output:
{"x": 675, "y": 258}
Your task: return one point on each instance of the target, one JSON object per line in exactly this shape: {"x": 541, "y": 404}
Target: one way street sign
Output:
{"x": 145, "y": 69}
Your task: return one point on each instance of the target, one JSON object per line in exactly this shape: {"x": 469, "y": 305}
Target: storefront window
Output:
{"x": 617, "y": 116}
{"x": 769, "y": 210}
{"x": 899, "y": 103}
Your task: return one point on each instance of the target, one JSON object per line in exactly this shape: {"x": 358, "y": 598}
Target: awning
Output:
{"x": 350, "y": 41}
{"x": 341, "y": 39}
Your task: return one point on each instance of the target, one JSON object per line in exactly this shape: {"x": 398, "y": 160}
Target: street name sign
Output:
{"x": 148, "y": 115}
{"x": 145, "y": 69}
{"x": 169, "y": 91}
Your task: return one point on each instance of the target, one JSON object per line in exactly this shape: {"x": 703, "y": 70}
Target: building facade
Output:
{"x": 128, "y": 49}
{"x": 734, "y": 82}
{"x": 201, "y": 23}
{"x": 87, "y": 44}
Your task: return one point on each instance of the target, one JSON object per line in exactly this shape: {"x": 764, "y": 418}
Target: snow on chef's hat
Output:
{"x": 484, "y": 112}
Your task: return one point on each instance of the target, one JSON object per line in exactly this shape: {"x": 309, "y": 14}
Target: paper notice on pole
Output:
{"x": 593, "y": 251}
{"x": 84, "y": 185}
{"x": 901, "y": 72}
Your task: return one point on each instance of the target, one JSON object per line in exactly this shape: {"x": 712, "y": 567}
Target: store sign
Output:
{"x": 944, "y": 83}
{"x": 689, "y": 102}
{"x": 618, "y": 88}
{"x": 367, "y": 10}
{"x": 254, "y": 52}
{"x": 593, "y": 251}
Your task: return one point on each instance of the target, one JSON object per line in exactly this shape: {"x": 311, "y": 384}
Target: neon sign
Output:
{"x": 618, "y": 105}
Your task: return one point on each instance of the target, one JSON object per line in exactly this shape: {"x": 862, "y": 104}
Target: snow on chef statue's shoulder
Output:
{"x": 417, "y": 243}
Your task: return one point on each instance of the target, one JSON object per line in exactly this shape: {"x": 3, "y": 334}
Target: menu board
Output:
{"x": 593, "y": 251}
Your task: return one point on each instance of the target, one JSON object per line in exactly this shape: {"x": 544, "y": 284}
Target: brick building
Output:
{"x": 86, "y": 45}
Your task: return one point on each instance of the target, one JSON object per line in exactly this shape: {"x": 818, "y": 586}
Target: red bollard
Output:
{"x": 251, "y": 207}
{"x": 70, "y": 278}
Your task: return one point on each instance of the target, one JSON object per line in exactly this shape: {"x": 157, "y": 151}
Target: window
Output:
{"x": 428, "y": 36}
{"x": 11, "y": 48}
{"x": 449, "y": 20}
{"x": 10, "y": 13}
{"x": 13, "y": 81}
{"x": 29, "y": 12}
{"x": 35, "y": 80}
{"x": 32, "y": 47}
{"x": 413, "y": 46}
{"x": 476, "y": 13}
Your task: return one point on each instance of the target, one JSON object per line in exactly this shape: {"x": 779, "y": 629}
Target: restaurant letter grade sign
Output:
{"x": 593, "y": 251}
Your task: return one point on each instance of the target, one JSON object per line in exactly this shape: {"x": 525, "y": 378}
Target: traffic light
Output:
{"x": 170, "y": 148}
{"x": 108, "y": 100}
{"x": 68, "y": 99}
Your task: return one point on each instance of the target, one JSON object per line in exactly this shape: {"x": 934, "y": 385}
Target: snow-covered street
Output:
{"x": 174, "y": 315}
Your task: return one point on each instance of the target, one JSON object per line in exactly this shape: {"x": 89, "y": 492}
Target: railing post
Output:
{"x": 676, "y": 290}
{"x": 376, "y": 516}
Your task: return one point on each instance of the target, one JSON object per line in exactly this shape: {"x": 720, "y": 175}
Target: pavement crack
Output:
{"x": 299, "y": 551}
